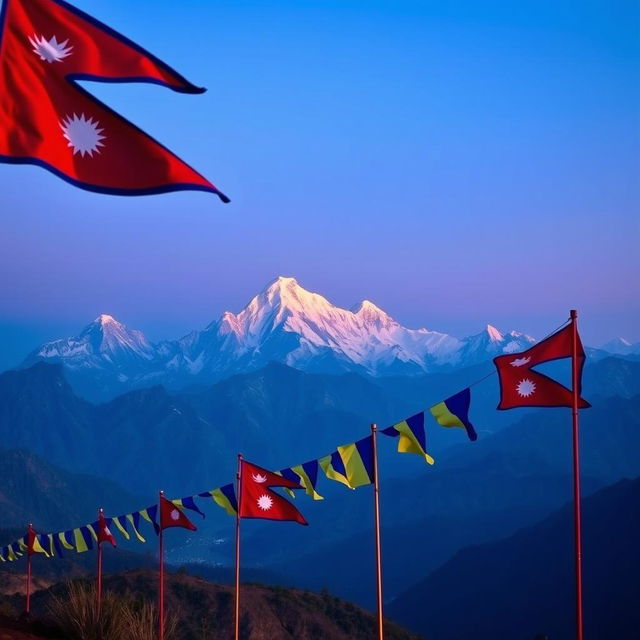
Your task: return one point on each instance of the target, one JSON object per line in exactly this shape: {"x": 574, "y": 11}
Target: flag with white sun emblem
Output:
{"x": 522, "y": 386}
{"x": 257, "y": 500}
{"x": 101, "y": 527}
{"x": 47, "y": 119}
{"x": 172, "y": 516}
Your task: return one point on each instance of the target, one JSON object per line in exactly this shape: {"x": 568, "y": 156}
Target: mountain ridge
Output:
{"x": 284, "y": 323}
{"x": 533, "y": 571}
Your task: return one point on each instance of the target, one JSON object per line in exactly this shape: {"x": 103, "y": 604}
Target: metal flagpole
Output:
{"x": 99, "y": 579}
{"x": 376, "y": 503}
{"x": 576, "y": 473}
{"x": 28, "y": 603}
{"x": 238, "y": 498}
{"x": 161, "y": 589}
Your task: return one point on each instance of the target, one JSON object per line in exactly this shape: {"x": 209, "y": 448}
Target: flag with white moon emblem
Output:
{"x": 522, "y": 386}
{"x": 48, "y": 119}
{"x": 257, "y": 500}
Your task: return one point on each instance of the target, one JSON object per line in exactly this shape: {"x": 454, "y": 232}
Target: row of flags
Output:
{"x": 350, "y": 464}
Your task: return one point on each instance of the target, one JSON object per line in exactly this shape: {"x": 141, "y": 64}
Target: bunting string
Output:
{"x": 350, "y": 464}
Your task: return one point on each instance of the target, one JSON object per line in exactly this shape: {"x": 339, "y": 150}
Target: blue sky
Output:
{"x": 458, "y": 165}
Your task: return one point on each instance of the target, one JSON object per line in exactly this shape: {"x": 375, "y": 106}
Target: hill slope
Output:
{"x": 532, "y": 571}
{"x": 205, "y": 610}
{"x": 32, "y": 490}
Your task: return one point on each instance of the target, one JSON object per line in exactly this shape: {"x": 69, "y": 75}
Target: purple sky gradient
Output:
{"x": 455, "y": 166}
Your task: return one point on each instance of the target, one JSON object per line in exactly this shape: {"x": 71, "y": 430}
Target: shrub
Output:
{"x": 75, "y": 613}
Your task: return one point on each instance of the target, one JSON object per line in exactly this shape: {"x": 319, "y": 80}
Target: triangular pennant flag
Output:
{"x": 134, "y": 521}
{"x": 188, "y": 503}
{"x": 454, "y": 412}
{"x": 412, "y": 436}
{"x": 121, "y": 525}
{"x": 305, "y": 474}
{"x": 33, "y": 544}
{"x": 351, "y": 464}
{"x": 224, "y": 497}
{"x": 333, "y": 468}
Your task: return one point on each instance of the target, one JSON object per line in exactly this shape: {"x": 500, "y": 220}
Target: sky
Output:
{"x": 456, "y": 163}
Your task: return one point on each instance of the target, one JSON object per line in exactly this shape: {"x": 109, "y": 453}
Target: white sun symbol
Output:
{"x": 175, "y": 515}
{"x": 526, "y": 388}
{"x": 83, "y": 134}
{"x": 50, "y": 50}
{"x": 518, "y": 362}
{"x": 265, "y": 502}
{"x": 260, "y": 479}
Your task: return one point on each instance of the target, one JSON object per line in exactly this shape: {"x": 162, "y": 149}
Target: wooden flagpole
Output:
{"x": 576, "y": 473}
{"x": 376, "y": 504}
{"x": 28, "y": 602}
{"x": 99, "y": 578}
{"x": 161, "y": 587}
{"x": 237, "y": 594}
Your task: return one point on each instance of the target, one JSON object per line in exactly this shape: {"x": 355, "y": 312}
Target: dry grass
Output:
{"x": 76, "y": 615}
{"x": 141, "y": 622}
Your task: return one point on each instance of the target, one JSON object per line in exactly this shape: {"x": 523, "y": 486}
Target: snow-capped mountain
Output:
{"x": 621, "y": 347}
{"x": 284, "y": 323}
{"x": 289, "y": 324}
{"x": 103, "y": 344}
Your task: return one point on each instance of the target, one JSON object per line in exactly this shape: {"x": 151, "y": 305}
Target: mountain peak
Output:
{"x": 621, "y": 346}
{"x": 283, "y": 281}
{"x": 366, "y": 306}
{"x": 494, "y": 334}
{"x": 370, "y": 313}
{"x": 285, "y": 294}
{"x": 106, "y": 322}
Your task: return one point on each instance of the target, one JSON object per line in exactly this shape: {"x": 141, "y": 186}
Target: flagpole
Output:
{"x": 239, "y": 497}
{"x": 28, "y": 603}
{"x": 161, "y": 588}
{"x": 99, "y": 578}
{"x": 576, "y": 473}
{"x": 376, "y": 503}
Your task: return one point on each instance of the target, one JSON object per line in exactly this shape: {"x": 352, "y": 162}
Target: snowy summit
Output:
{"x": 284, "y": 323}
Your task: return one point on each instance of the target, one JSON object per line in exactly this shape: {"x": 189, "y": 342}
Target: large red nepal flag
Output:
{"x": 521, "y": 386}
{"x": 47, "y": 119}
{"x": 172, "y": 516}
{"x": 258, "y": 501}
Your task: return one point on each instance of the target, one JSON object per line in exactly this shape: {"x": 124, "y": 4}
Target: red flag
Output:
{"x": 521, "y": 386}
{"x": 103, "y": 532}
{"x": 258, "y": 501}
{"x": 172, "y": 516}
{"x": 47, "y": 119}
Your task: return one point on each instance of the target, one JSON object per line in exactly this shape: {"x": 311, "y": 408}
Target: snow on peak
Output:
{"x": 372, "y": 315}
{"x": 621, "y": 346}
{"x": 105, "y": 341}
{"x": 288, "y": 323}
{"x": 105, "y": 319}
{"x": 284, "y": 323}
{"x": 494, "y": 334}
